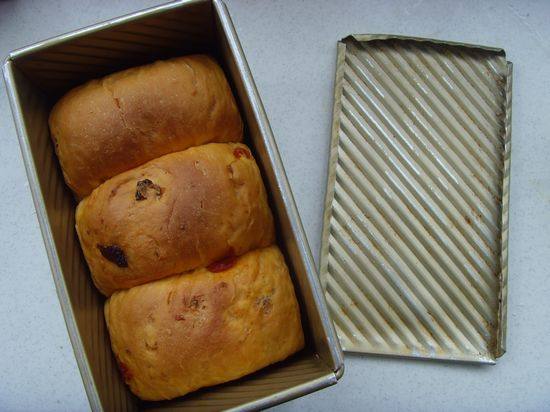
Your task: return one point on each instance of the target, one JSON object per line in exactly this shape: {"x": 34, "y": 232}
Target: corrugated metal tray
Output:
{"x": 36, "y": 76}
{"x": 414, "y": 250}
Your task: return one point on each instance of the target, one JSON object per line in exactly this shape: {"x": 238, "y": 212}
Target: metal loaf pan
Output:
{"x": 36, "y": 76}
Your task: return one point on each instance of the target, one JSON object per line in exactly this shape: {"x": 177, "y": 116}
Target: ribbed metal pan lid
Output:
{"x": 414, "y": 250}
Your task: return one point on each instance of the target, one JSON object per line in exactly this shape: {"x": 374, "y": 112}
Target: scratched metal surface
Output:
{"x": 414, "y": 249}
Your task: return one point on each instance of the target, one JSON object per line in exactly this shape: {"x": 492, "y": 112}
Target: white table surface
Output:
{"x": 291, "y": 49}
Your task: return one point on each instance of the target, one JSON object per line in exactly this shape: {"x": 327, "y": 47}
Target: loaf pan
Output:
{"x": 38, "y": 75}
{"x": 415, "y": 240}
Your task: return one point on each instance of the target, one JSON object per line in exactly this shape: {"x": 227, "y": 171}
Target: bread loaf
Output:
{"x": 175, "y": 213}
{"x": 114, "y": 124}
{"x": 188, "y": 331}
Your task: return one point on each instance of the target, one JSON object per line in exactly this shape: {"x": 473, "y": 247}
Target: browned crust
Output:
{"x": 188, "y": 331}
{"x": 201, "y": 205}
{"x": 114, "y": 124}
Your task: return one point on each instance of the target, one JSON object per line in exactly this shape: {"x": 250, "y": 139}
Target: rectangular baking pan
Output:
{"x": 36, "y": 76}
{"x": 415, "y": 239}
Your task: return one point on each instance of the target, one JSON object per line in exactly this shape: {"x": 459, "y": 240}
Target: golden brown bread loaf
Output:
{"x": 188, "y": 331}
{"x": 114, "y": 124}
{"x": 175, "y": 213}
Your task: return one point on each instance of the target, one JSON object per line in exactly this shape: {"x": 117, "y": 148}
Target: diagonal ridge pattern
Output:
{"x": 415, "y": 224}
